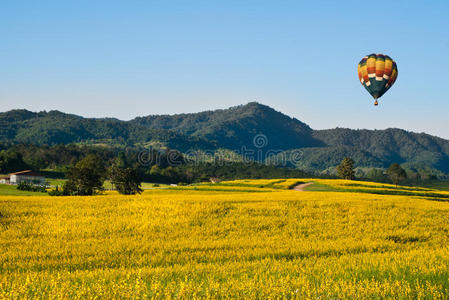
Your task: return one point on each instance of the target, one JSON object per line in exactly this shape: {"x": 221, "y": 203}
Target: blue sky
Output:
{"x": 128, "y": 58}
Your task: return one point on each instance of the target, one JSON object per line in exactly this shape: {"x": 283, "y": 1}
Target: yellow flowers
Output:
{"x": 172, "y": 243}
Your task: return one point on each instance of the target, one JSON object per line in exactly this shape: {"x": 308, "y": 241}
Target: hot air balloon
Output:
{"x": 377, "y": 73}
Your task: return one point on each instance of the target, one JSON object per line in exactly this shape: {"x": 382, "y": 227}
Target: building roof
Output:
{"x": 27, "y": 173}
{"x": 4, "y": 177}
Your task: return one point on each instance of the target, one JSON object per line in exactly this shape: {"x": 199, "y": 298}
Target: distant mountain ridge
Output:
{"x": 236, "y": 127}
{"x": 233, "y": 128}
{"x": 54, "y": 127}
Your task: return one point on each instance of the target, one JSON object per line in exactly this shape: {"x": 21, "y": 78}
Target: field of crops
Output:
{"x": 246, "y": 238}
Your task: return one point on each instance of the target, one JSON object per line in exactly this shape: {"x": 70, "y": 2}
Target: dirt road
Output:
{"x": 300, "y": 187}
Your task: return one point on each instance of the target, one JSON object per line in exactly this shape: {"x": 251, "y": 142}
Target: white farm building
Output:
{"x": 24, "y": 176}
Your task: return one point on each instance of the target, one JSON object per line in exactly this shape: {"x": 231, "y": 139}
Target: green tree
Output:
{"x": 376, "y": 175}
{"x": 11, "y": 161}
{"x": 346, "y": 169}
{"x": 87, "y": 176}
{"x": 396, "y": 173}
{"x": 126, "y": 180}
{"x": 121, "y": 160}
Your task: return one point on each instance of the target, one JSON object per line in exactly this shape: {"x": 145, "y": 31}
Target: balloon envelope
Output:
{"x": 377, "y": 73}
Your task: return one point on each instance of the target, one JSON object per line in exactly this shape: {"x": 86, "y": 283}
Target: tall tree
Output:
{"x": 396, "y": 173}
{"x": 346, "y": 169}
{"x": 126, "y": 180}
{"x": 87, "y": 176}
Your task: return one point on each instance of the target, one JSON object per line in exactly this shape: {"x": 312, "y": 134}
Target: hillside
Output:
{"x": 54, "y": 127}
{"x": 234, "y": 129}
{"x": 381, "y": 147}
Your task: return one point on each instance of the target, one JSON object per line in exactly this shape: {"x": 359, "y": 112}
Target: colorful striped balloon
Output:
{"x": 377, "y": 73}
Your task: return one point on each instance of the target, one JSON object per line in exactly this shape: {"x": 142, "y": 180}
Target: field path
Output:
{"x": 300, "y": 187}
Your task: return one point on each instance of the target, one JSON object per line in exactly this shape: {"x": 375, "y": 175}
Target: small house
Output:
{"x": 4, "y": 179}
{"x": 27, "y": 176}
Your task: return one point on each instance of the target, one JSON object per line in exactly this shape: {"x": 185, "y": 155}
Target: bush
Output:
{"x": 68, "y": 189}
{"x": 26, "y": 186}
{"x": 56, "y": 192}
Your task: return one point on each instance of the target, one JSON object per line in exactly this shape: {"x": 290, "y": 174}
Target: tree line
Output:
{"x": 395, "y": 173}
{"x": 87, "y": 167}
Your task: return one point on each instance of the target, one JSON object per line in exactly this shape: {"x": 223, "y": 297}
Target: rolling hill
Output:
{"x": 235, "y": 129}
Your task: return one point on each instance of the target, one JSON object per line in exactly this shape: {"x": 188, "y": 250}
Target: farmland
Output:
{"x": 244, "y": 238}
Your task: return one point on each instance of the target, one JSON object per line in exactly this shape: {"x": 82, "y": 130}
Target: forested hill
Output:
{"x": 376, "y": 148}
{"x": 237, "y": 126}
{"x": 54, "y": 127}
{"x": 233, "y": 129}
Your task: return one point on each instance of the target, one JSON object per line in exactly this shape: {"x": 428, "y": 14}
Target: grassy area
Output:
{"x": 107, "y": 184}
{"x": 145, "y": 185}
{"x": 149, "y": 185}
{"x": 319, "y": 187}
{"x": 438, "y": 185}
{"x": 55, "y": 182}
{"x": 381, "y": 189}
{"x": 256, "y": 242}
{"x": 11, "y": 190}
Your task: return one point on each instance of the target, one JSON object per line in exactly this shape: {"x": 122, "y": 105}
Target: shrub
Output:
{"x": 26, "y": 186}
{"x": 68, "y": 189}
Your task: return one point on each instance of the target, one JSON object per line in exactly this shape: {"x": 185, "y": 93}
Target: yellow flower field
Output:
{"x": 257, "y": 242}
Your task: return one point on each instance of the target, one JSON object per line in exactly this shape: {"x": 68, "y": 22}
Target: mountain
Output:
{"x": 251, "y": 127}
{"x": 237, "y": 127}
{"x": 54, "y": 127}
{"x": 414, "y": 150}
